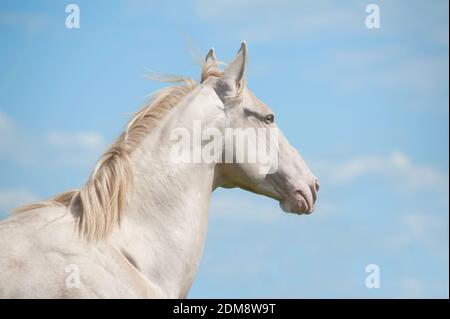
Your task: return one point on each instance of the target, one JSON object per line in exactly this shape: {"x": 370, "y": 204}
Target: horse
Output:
{"x": 136, "y": 228}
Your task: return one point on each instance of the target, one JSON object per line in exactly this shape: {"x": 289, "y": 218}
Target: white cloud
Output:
{"x": 55, "y": 148}
{"x": 387, "y": 68}
{"x": 397, "y": 166}
{"x": 76, "y": 139}
{"x": 421, "y": 227}
{"x": 418, "y": 225}
{"x": 426, "y": 239}
{"x": 11, "y": 198}
{"x": 418, "y": 230}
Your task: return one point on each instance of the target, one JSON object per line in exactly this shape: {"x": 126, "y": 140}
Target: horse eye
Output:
{"x": 269, "y": 119}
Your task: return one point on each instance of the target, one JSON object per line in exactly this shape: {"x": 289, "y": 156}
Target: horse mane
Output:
{"x": 99, "y": 205}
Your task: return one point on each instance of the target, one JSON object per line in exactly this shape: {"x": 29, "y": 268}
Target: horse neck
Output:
{"x": 165, "y": 224}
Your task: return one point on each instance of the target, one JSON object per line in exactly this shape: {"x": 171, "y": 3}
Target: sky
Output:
{"x": 367, "y": 108}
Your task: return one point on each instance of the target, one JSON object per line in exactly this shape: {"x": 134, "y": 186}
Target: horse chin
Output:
{"x": 298, "y": 207}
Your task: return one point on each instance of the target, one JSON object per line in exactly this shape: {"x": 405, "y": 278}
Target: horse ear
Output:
{"x": 235, "y": 71}
{"x": 211, "y": 56}
{"x": 211, "y": 65}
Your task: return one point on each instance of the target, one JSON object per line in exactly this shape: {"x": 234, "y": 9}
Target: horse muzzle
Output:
{"x": 302, "y": 200}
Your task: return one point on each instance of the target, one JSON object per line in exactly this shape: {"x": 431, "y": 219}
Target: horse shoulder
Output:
{"x": 43, "y": 256}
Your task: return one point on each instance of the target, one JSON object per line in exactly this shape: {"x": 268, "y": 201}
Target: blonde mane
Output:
{"x": 99, "y": 205}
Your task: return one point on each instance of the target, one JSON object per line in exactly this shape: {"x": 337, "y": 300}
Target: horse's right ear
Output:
{"x": 233, "y": 78}
{"x": 235, "y": 71}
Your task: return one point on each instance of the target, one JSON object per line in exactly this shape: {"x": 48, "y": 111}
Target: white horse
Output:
{"x": 136, "y": 229}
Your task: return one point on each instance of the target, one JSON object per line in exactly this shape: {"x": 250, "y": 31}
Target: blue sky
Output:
{"x": 367, "y": 108}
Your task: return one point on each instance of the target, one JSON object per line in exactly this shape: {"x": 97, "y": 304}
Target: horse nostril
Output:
{"x": 317, "y": 185}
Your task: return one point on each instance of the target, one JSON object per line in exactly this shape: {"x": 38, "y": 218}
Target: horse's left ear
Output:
{"x": 210, "y": 66}
{"x": 211, "y": 56}
{"x": 236, "y": 70}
